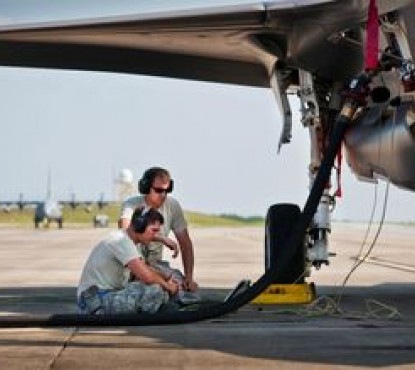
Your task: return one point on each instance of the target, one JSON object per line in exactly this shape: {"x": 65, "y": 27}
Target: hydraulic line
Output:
{"x": 203, "y": 313}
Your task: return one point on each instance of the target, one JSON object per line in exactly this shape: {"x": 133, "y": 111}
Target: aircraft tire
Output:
{"x": 279, "y": 224}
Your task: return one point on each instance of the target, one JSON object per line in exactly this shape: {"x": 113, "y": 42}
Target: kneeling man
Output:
{"x": 105, "y": 286}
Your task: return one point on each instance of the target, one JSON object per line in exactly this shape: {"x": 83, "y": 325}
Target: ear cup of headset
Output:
{"x": 139, "y": 222}
{"x": 144, "y": 185}
{"x": 146, "y": 181}
{"x": 171, "y": 186}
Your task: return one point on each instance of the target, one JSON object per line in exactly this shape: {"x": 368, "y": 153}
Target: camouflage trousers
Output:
{"x": 164, "y": 268}
{"x": 182, "y": 296}
{"x": 135, "y": 297}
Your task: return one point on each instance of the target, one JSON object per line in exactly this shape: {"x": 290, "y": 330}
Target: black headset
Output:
{"x": 139, "y": 220}
{"x": 144, "y": 184}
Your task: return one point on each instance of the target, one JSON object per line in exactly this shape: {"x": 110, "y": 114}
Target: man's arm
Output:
{"x": 169, "y": 243}
{"x": 186, "y": 247}
{"x": 143, "y": 273}
{"x": 127, "y": 210}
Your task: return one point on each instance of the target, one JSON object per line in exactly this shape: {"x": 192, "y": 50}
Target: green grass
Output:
{"x": 82, "y": 217}
{"x": 78, "y": 216}
{"x": 206, "y": 220}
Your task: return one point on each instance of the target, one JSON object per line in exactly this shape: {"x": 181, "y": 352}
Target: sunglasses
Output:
{"x": 161, "y": 190}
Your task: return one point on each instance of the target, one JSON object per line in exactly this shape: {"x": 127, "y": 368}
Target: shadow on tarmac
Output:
{"x": 356, "y": 337}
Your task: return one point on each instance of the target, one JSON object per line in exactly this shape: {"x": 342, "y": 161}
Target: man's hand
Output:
{"x": 172, "y": 286}
{"x": 190, "y": 284}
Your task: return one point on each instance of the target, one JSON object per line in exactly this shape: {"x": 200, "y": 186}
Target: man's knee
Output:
{"x": 136, "y": 297}
{"x": 153, "y": 298}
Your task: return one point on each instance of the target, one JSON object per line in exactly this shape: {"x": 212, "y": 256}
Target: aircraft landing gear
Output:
{"x": 287, "y": 258}
{"x": 279, "y": 224}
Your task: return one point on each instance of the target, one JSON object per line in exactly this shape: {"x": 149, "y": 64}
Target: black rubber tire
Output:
{"x": 279, "y": 224}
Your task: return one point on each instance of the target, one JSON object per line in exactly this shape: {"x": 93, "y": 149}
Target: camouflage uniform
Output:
{"x": 104, "y": 287}
{"x": 136, "y": 297}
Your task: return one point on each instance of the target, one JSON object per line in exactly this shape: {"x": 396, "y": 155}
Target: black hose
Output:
{"x": 181, "y": 317}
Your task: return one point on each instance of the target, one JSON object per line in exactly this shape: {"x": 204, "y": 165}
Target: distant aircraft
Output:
{"x": 50, "y": 210}
{"x": 349, "y": 61}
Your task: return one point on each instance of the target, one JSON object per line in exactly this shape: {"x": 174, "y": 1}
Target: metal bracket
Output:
{"x": 278, "y": 82}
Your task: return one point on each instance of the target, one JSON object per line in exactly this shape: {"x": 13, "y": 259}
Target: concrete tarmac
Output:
{"x": 372, "y": 328}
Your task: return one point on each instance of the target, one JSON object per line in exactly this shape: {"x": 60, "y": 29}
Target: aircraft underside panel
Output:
{"x": 238, "y": 44}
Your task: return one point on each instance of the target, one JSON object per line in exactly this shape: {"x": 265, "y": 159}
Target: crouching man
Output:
{"x": 105, "y": 286}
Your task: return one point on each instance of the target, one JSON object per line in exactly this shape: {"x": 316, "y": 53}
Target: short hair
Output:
{"x": 146, "y": 181}
{"x": 142, "y": 217}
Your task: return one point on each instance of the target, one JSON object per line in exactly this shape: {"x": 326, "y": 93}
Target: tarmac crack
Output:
{"x": 52, "y": 362}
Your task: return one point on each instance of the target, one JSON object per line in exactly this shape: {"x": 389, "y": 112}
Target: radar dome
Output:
{"x": 125, "y": 176}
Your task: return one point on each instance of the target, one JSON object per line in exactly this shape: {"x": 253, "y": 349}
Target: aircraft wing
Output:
{"x": 17, "y": 202}
{"x": 9, "y": 204}
{"x": 74, "y": 203}
{"x": 235, "y": 44}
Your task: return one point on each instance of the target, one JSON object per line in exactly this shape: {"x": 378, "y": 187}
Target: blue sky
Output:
{"x": 219, "y": 141}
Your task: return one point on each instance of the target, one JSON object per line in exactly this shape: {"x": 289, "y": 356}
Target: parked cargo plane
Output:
{"x": 50, "y": 209}
{"x": 349, "y": 61}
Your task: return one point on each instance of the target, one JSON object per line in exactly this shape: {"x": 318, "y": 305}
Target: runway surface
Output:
{"x": 374, "y": 328}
